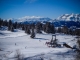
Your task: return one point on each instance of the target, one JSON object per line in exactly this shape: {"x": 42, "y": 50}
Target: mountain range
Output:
{"x": 31, "y": 18}
{"x": 65, "y": 19}
{"x": 69, "y": 17}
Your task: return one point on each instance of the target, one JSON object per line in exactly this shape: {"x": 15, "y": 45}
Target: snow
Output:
{"x": 67, "y": 17}
{"x": 30, "y": 19}
{"x": 34, "y": 49}
{"x": 5, "y": 33}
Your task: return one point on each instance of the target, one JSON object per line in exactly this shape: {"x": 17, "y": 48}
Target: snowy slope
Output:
{"x": 34, "y": 49}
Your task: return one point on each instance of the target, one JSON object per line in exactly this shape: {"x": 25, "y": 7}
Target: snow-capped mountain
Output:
{"x": 31, "y": 18}
{"x": 66, "y": 19}
{"x": 69, "y": 17}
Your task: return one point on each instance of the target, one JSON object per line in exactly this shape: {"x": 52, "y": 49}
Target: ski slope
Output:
{"x": 34, "y": 49}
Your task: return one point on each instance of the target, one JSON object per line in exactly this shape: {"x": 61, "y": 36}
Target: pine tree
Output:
{"x": 38, "y": 27}
{"x": 27, "y": 30}
{"x": 65, "y": 29}
{"x": 70, "y": 31}
{"x": 32, "y": 34}
{"x": 44, "y": 27}
{"x": 12, "y": 29}
{"x": 48, "y": 27}
{"x": 15, "y": 25}
{"x": 1, "y": 22}
{"x": 59, "y": 29}
{"x": 32, "y": 26}
{"x": 5, "y": 23}
{"x": 23, "y": 28}
{"x": 52, "y": 29}
{"x": 9, "y": 25}
{"x": 77, "y": 32}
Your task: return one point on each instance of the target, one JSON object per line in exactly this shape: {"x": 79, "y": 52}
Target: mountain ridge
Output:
{"x": 30, "y": 18}
{"x": 69, "y": 17}
{"x": 64, "y": 17}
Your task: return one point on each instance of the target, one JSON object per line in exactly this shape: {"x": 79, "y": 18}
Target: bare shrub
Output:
{"x": 18, "y": 55}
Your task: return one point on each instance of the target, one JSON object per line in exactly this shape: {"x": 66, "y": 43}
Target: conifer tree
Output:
{"x": 12, "y": 29}
{"x": 15, "y": 25}
{"x": 59, "y": 29}
{"x": 32, "y": 34}
{"x": 9, "y": 25}
{"x": 27, "y": 30}
{"x": 38, "y": 27}
{"x": 1, "y": 22}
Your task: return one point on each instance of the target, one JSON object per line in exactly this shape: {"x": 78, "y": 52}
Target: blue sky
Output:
{"x": 43, "y": 8}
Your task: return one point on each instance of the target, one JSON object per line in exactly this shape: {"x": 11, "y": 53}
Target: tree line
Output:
{"x": 28, "y": 28}
{"x": 69, "y": 31}
{"x": 38, "y": 28}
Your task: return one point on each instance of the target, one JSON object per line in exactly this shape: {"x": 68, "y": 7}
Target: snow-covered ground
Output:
{"x": 34, "y": 49}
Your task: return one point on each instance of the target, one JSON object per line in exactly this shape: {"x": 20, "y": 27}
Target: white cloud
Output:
{"x": 30, "y": 1}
